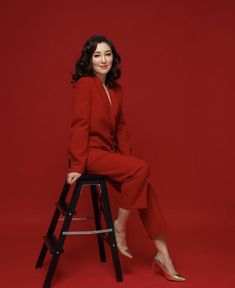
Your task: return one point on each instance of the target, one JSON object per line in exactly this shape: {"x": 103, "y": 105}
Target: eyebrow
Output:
{"x": 105, "y": 51}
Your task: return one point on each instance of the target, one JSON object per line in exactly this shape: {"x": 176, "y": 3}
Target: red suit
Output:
{"x": 100, "y": 144}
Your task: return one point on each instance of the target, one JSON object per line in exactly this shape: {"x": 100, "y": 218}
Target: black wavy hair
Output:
{"x": 83, "y": 65}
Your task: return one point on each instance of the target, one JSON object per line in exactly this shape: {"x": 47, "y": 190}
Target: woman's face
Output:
{"x": 102, "y": 59}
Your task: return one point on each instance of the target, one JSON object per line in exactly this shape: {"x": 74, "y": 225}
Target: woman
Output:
{"x": 100, "y": 144}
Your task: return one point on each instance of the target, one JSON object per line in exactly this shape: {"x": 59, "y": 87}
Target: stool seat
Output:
{"x": 91, "y": 176}
{"x": 101, "y": 208}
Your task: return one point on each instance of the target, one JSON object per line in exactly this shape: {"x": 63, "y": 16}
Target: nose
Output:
{"x": 103, "y": 59}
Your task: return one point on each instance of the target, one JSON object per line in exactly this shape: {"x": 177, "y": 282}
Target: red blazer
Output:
{"x": 95, "y": 123}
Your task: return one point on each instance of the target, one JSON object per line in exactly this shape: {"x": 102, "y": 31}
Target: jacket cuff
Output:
{"x": 73, "y": 167}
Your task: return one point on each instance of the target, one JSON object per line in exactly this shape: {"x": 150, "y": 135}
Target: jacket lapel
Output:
{"x": 111, "y": 109}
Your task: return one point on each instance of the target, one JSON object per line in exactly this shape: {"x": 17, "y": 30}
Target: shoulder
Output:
{"x": 118, "y": 87}
{"x": 84, "y": 81}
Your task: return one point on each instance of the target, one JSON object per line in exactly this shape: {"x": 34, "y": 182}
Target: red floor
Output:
{"x": 203, "y": 252}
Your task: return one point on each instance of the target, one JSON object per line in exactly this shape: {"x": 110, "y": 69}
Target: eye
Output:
{"x": 96, "y": 55}
{"x": 109, "y": 54}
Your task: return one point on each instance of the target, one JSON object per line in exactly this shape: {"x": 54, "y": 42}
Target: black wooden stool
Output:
{"x": 101, "y": 207}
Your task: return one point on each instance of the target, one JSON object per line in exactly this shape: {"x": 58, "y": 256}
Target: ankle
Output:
{"x": 119, "y": 227}
{"x": 163, "y": 254}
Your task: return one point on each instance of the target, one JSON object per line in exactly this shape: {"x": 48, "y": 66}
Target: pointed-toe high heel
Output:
{"x": 118, "y": 235}
{"x": 172, "y": 277}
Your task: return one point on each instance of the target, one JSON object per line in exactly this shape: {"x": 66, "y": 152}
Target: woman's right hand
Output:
{"x": 72, "y": 177}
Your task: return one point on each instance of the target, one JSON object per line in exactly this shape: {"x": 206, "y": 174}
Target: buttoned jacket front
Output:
{"x": 96, "y": 124}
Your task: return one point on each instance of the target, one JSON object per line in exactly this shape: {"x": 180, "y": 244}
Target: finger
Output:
{"x": 69, "y": 180}
{"x": 73, "y": 180}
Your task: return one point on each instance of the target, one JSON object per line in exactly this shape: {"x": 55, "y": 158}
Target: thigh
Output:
{"x": 117, "y": 166}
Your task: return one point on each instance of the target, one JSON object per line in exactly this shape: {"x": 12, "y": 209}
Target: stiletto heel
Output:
{"x": 123, "y": 250}
{"x": 155, "y": 267}
{"x": 157, "y": 262}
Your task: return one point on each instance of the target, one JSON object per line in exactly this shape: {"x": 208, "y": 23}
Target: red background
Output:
{"x": 178, "y": 79}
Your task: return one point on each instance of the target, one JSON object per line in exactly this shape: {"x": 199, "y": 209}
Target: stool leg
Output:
{"x": 96, "y": 209}
{"x": 109, "y": 222}
{"x": 52, "y": 226}
{"x": 49, "y": 233}
{"x": 41, "y": 256}
{"x": 51, "y": 271}
{"x": 62, "y": 237}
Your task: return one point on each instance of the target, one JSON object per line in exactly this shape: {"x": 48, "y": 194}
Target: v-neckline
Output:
{"x": 108, "y": 94}
{"x": 112, "y": 109}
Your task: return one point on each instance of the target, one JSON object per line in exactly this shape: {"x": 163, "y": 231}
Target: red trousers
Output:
{"x": 136, "y": 190}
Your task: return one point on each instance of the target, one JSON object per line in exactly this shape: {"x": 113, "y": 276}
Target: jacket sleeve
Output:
{"x": 79, "y": 129}
{"x": 122, "y": 134}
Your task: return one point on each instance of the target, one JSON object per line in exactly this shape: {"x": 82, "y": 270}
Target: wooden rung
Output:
{"x": 87, "y": 232}
{"x": 78, "y": 218}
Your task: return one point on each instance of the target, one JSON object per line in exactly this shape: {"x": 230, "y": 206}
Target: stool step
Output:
{"x": 87, "y": 232}
{"x": 78, "y": 218}
{"x": 51, "y": 243}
